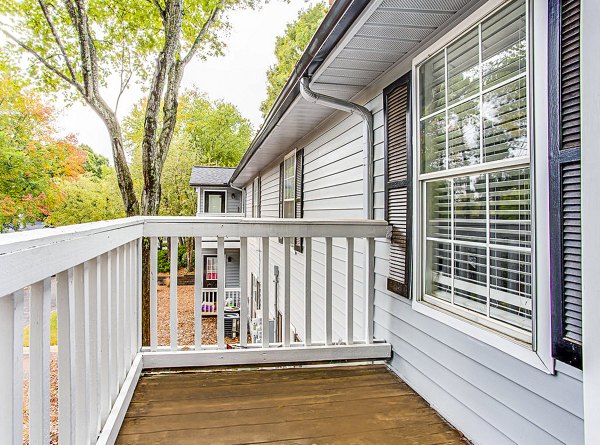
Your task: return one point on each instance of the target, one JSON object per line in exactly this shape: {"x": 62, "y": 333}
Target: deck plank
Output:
{"x": 320, "y": 405}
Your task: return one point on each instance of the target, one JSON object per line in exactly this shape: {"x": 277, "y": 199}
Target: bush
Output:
{"x": 164, "y": 263}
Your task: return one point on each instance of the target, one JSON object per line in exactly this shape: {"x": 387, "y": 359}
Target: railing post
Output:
{"x": 369, "y": 288}
{"x": 121, "y": 302}
{"x": 198, "y": 282}
{"x": 11, "y": 368}
{"x": 265, "y": 292}
{"x": 39, "y": 363}
{"x": 286, "y": 291}
{"x": 307, "y": 291}
{"x": 221, "y": 292}
{"x": 173, "y": 293}
{"x": 66, "y": 358}
{"x": 138, "y": 294}
{"x": 328, "y": 291}
{"x": 113, "y": 314}
{"x": 349, "y": 291}
{"x": 243, "y": 291}
{"x": 153, "y": 293}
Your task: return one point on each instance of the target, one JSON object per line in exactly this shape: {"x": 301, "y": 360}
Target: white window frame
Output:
{"x": 214, "y": 269}
{"x": 537, "y": 353}
{"x": 292, "y": 154}
{"x": 213, "y": 191}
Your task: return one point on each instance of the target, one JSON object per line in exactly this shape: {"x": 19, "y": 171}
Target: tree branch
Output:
{"x": 214, "y": 14}
{"x": 58, "y": 40}
{"x": 43, "y": 61}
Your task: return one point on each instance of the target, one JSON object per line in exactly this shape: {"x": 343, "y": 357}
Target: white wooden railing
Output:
{"x": 209, "y": 299}
{"x": 100, "y": 354}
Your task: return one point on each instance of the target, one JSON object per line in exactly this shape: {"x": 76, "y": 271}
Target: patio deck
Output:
{"x": 314, "y": 405}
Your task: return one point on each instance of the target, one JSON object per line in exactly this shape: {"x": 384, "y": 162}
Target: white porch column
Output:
{"x": 590, "y": 213}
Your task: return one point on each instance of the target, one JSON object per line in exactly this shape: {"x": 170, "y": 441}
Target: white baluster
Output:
{"x": 66, "y": 358}
{"x": 90, "y": 294}
{"x": 221, "y": 292}
{"x": 243, "y": 299}
{"x": 286, "y": 291}
{"x": 39, "y": 363}
{"x": 307, "y": 291}
{"x": 11, "y": 368}
{"x": 82, "y": 413}
{"x": 113, "y": 323}
{"x": 105, "y": 333}
{"x": 265, "y": 292}
{"x": 198, "y": 292}
{"x": 121, "y": 320}
{"x": 328, "y": 291}
{"x": 153, "y": 293}
{"x": 369, "y": 288}
{"x": 349, "y": 291}
{"x": 173, "y": 294}
{"x": 138, "y": 293}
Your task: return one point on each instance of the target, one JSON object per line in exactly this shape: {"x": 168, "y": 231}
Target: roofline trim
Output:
{"x": 336, "y": 23}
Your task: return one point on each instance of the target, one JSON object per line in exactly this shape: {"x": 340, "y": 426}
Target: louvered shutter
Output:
{"x": 398, "y": 179}
{"x": 565, "y": 181}
{"x": 299, "y": 200}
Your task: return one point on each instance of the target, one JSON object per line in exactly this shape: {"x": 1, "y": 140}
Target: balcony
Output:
{"x": 101, "y": 359}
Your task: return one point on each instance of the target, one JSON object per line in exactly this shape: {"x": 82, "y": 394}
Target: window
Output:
{"x": 256, "y": 198}
{"x": 214, "y": 202}
{"x": 291, "y": 203}
{"x": 210, "y": 271}
{"x": 474, "y": 175}
{"x": 289, "y": 186}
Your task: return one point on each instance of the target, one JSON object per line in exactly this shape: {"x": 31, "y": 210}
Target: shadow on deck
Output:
{"x": 314, "y": 405}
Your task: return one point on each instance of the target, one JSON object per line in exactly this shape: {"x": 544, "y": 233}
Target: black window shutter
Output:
{"x": 398, "y": 182}
{"x": 299, "y": 200}
{"x": 281, "y": 195}
{"x": 565, "y": 181}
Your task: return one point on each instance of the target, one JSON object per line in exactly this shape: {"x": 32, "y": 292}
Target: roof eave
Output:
{"x": 336, "y": 23}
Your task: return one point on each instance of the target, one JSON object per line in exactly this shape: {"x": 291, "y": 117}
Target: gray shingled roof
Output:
{"x": 210, "y": 176}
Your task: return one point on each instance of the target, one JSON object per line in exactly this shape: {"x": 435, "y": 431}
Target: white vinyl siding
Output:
{"x": 474, "y": 174}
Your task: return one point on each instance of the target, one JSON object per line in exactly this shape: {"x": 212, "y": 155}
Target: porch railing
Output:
{"x": 98, "y": 270}
{"x": 209, "y": 299}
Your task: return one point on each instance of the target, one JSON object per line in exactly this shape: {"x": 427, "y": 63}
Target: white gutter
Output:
{"x": 367, "y": 117}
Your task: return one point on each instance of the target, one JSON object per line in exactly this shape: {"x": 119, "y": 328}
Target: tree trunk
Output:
{"x": 190, "y": 253}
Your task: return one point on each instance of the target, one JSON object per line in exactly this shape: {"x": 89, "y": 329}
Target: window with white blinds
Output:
{"x": 474, "y": 174}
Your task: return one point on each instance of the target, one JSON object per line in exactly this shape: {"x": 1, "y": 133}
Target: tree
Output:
{"x": 207, "y": 133}
{"x": 288, "y": 49}
{"x": 32, "y": 156}
{"x": 78, "y": 44}
{"x": 88, "y": 198}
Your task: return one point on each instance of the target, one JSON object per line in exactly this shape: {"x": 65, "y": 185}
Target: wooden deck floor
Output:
{"x": 327, "y": 405}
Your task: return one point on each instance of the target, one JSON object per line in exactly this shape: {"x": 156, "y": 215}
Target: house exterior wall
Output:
{"x": 490, "y": 395}
{"x": 233, "y": 202}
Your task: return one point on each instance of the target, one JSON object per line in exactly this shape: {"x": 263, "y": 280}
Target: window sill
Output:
{"x": 498, "y": 341}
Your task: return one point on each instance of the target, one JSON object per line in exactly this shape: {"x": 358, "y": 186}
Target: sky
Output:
{"x": 237, "y": 77}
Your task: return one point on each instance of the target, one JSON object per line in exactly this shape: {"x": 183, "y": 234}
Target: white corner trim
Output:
{"x": 111, "y": 428}
{"x": 511, "y": 347}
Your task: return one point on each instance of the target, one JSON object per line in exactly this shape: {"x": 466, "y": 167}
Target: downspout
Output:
{"x": 367, "y": 117}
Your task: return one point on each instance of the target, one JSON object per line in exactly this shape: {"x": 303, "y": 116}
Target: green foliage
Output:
{"x": 33, "y": 158}
{"x": 94, "y": 163}
{"x": 128, "y": 34}
{"x": 288, "y": 49}
{"x": 164, "y": 262}
{"x": 86, "y": 199}
{"x": 207, "y": 133}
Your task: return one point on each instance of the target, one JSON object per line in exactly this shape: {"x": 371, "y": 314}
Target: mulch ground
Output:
{"x": 185, "y": 337}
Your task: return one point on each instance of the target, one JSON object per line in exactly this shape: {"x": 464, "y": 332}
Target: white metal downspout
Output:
{"x": 367, "y": 117}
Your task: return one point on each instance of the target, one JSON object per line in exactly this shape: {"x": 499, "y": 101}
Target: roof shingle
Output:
{"x": 210, "y": 176}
